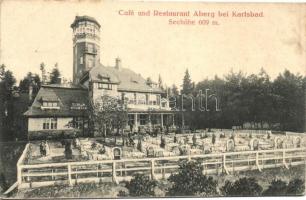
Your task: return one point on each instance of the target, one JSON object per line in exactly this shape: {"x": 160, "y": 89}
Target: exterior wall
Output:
{"x": 36, "y": 124}
{"x": 36, "y": 131}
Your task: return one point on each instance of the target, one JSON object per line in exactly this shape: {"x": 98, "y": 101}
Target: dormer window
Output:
{"x": 105, "y": 86}
{"x": 50, "y": 103}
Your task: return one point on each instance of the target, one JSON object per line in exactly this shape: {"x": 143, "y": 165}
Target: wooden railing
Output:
{"x": 37, "y": 175}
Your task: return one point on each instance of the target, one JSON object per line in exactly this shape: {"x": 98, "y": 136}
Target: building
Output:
{"x": 58, "y": 110}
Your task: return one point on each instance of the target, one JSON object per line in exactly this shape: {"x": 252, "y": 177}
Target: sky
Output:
{"x": 39, "y": 31}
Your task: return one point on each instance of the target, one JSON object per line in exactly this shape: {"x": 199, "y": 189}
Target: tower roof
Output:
{"x": 84, "y": 18}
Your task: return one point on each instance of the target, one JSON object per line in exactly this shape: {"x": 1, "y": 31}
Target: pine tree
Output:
{"x": 160, "y": 82}
{"x": 55, "y": 74}
{"x": 187, "y": 86}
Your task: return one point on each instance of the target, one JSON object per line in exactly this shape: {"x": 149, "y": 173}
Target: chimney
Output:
{"x": 118, "y": 64}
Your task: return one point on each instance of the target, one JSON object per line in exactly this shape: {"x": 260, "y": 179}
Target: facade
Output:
{"x": 58, "y": 110}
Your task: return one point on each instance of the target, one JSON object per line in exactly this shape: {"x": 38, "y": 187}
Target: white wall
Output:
{"x": 36, "y": 124}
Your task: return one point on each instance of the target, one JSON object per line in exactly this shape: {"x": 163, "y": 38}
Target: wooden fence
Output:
{"x": 37, "y": 175}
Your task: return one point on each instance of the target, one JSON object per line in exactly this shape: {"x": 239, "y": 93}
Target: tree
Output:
{"x": 7, "y": 82}
{"x": 141, "y": 185}
{"x": 160, "y": 82}
{"x": 190, "y": 181}
{"x": 55, "y": 75}
{"x": 174, "y": 90}
{"x": 107, "y": 113}
{"x": 296, "y": 187}
{"x": 242, "y": 187}
{"x": 289, "y": 101}
{"x": 43, "y": 72}
{"x": 25, "y": 83}
{"x": 188, "y": 86}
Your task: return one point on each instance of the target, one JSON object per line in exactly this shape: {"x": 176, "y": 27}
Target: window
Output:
{"x": 142, "y": 119}
{"x": 131, "y": 119}
{"x": 46, "y": 123}
{"x": 77, "y": 122}
{"x": 142, "y": 99}
{"x": 53, "y": 123}
{"x": 81, "y": 60}
{"x": 90, "y": 48}
{"x": 50, "y": 123}
{"x": 154, "y": 119}
{"x": 105, "y": 86}
{"x": 50, "y": 104}
{"x": 152, "y": 99}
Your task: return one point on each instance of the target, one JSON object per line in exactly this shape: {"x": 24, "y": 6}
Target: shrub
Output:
{"x": 102, "y": 150}
{"x": 276, "y": 188}
{"x": 296, "y": 187}
{"x": 242, "y": 187}
{"x": 190, "y": 181}
{"x": 141, "y": 185}
{"x": 94, "y": 145}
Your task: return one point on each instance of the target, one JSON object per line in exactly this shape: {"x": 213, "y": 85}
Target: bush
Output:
{"x": 190, "y": 181}
{"x": 296, "y": 187}
{"x": 141, "y": 185}
{"x": 94, "y": 145}
{"x": 281, "y": 188}
{"x": 276, "y": 188}
{"x": 102, "y": 150}
{"x": 242, "y": 187}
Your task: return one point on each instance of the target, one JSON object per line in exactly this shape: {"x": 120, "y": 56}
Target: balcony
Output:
{"x": 164, "y": 104}
{"x": 91, "y": 51}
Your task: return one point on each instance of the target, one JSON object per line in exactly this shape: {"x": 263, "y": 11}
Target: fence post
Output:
{"x": 152, "y": 169}
{"x": 284, "y": 159}
{"x": 19, "y": 175}
{"x": 257, "y": 162}
{"x": 114, "y": 177}
{"x": 69, "y": 175}
{"x": 224, "y": 164}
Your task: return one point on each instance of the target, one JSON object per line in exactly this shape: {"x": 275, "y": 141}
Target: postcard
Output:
{"x": 114, "y": 99}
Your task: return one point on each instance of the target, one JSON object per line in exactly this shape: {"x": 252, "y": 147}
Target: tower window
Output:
{"x": 81, "y": 60}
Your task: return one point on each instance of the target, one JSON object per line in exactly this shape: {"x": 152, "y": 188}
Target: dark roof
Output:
{"x": 126, "y": 79}
{"x": 66, "y": 97}
{"x": 84, "y": 18}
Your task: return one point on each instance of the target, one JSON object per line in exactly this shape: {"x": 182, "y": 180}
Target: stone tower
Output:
{"x": 86, "y": 48}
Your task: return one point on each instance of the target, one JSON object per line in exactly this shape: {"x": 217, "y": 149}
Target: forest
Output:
{"x": 255, "y": 99}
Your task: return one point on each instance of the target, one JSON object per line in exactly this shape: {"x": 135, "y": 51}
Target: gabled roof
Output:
{"x": 126, "y": 79}
{"x": 65, "y": 97}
